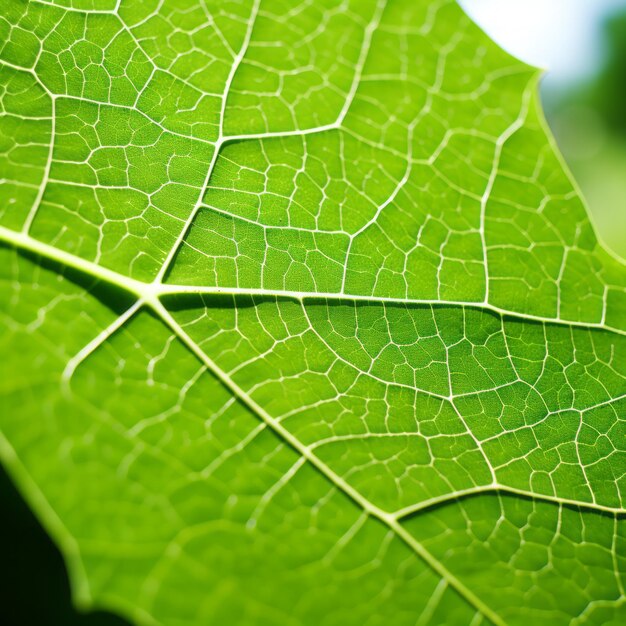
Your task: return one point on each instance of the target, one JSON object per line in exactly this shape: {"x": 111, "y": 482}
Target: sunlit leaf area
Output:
{"x": 304, "y": 321}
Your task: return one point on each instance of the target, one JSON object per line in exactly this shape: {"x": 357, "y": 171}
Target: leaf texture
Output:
{"x": 304, "y": 321}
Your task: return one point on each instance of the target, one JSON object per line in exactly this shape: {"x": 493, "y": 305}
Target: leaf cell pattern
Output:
{"x": 306, "y": 321}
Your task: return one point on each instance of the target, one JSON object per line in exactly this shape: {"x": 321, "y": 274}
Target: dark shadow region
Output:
{"x": 34, "y": 585}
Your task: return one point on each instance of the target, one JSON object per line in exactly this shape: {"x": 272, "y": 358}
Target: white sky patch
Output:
{"x": 562, "y": 36}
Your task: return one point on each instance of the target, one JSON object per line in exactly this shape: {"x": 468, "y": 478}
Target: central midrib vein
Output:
{"x": 147, "y": 291}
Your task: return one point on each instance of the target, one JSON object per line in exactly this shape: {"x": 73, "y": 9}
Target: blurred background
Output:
{"x": 582, "y": 45}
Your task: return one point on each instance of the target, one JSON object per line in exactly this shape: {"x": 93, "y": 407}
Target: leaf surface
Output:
{"x": 304, "y": 320}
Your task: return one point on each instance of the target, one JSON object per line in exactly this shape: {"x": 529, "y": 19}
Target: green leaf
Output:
{"x": 303, "y": 320}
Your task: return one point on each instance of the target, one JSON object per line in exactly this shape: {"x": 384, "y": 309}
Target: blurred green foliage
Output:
{"x": 606, "y": 93}
{"x": 589, "y": 121}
